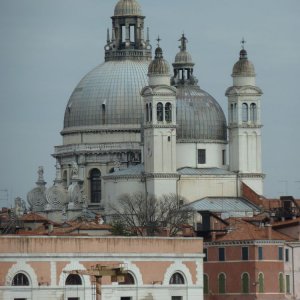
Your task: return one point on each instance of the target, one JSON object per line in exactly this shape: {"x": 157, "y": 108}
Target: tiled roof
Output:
{"x": 286, "y": 223}
{"x": 134, "y": 170}
{"x": 34, "y": 217}
{"x": 241, "y": 230}
{"x": 70, "y": 228}
{"x": 204, "y": 171}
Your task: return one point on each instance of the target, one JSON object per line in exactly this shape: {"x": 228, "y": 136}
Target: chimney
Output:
{"x": 269, "y": 231}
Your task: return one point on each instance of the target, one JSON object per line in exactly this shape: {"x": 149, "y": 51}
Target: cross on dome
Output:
{"x": 243, "y": 42}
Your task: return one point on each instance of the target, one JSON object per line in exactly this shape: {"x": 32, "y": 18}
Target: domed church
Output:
{"x": 134, "y": 124}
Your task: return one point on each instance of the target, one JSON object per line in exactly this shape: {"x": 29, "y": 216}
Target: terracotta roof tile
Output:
{"x": 243, "y": 230}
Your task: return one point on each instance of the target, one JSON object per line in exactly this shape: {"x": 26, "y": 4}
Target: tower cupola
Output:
{"x": 159, "y": 69}
{"x": 243, "y": 72}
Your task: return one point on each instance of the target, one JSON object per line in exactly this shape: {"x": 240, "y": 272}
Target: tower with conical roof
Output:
{"x": 160, "y": 128}
{"x": 244, "y": 124}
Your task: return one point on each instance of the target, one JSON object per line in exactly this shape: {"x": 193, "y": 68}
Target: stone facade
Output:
{"x": 151, "y": 262}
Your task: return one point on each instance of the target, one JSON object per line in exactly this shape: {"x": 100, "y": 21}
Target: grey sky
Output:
{"x": 48, "y": 46}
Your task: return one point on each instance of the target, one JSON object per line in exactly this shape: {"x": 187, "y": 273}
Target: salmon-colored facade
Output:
{"x": 34, "y": 267}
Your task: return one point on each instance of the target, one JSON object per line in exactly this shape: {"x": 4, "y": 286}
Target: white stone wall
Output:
{"x": 194, "y": 188}
{"x": 187, "y": 155}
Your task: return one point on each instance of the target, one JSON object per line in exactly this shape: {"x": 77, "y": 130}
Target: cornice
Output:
{"x": 171, "y": 126}
{"x": 243, "y": 242}
{"x": 258, "y": 126}
{"x": 252, "y": 175}
{"x": 96, "y": 129}
{"x": 201, "y": 141}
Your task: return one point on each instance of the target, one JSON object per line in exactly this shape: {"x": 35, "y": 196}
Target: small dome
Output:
{"x": 159, "y": 66}
{"x": 128, "y": 8}
{"x": 183, "y": 57}
{"x": 243, "y": 67}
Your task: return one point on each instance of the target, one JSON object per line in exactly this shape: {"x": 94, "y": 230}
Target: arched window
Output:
{"x": 177, "y": 278}
{"x": 222, "y": 283}
{"x": 168, "y": 112}
{"x": 281, "y": 283}
{"x": 159, "y": 111}
{"x": 235, "y": 113}
{"x": 150, "y": 110}
{"x": 129, "y": 279}
{"x": 20, "y": 280}
{"x": 95, "y": 178}
{"x": 73, "y": 279}
{"x": 245, "y": 283}
{"x": 245, "y": 112}
{"x": 147, "y": 112}
{"x": 261, "y": 285}
{"x": 206, "y": 284}
{"x": 253, "y": 112}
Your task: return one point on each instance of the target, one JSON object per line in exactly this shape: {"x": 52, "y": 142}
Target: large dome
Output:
{"x": 199, "y": 116}
{"x": 109, "y": 94}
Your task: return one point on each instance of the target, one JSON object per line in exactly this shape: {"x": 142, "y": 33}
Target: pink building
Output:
{"x": 247, "y": 262}
{"x": 32, "y": 267}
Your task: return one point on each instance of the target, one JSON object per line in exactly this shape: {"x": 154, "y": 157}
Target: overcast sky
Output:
{"x": 47, "y": 46}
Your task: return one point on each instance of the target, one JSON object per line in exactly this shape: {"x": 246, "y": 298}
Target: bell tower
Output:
{"x": 160, "y": 128}
{"x": 244, "y": 124}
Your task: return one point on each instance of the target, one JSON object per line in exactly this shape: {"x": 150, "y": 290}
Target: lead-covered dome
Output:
{"x": 199, "y": 115}
{"x": 108, "y": 95}
{"x": 159, "y": 66}
{"x": 243, "y": 67}
{"x": 128, "y": 8}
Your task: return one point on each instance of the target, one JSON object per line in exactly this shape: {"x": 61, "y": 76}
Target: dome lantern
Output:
{"x": 183, "y": 65}
{"x": 128, "y": 38}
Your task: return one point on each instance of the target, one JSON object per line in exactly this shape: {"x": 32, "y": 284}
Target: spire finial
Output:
{"x": 158, "y": 40}
{"x": 183, "y": 41}
{"x": 243, "y": 42}
{"x": 108, "y": 36}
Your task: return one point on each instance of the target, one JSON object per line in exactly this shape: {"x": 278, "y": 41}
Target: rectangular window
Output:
{"x": 205, "y": 253}
{"x": 74, "y": 298}
{"x": 287, "y": 256}
{"x": 224, "y": 157}
{"x": 260, "y": 253}
{"x": 176, "y": 297}
{"x": 123, "y": 34}
{"x": 132, "y": 33}
{"x": 221, "y": 254}
{"x": 280, "y": 253}
{"x": 201, "y": 156}
{"x": 126, "y": 298}
{"x": 245, "y": 253}
{"x": 288, "y": 284}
